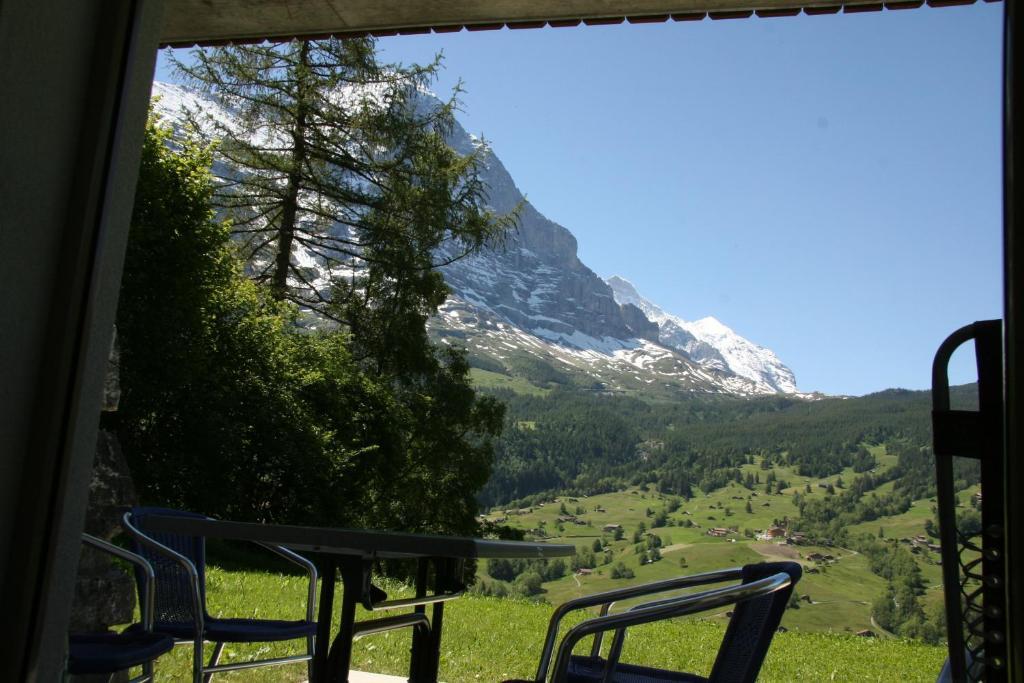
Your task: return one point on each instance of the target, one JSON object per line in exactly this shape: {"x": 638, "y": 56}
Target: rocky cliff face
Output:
{"x": 538, "y": 285}
{"x": 536, "y": 280}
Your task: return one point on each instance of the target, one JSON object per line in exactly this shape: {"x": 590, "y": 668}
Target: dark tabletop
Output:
{"x": 364, "y": 543}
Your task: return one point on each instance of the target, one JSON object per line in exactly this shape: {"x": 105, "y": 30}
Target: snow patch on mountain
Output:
{"x": 611, "y": 363}
{"x": 711, "y": 343}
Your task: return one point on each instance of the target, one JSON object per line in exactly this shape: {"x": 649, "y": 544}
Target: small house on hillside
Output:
{"x": 718, "y": 532}
{"x": 611, "y": 527}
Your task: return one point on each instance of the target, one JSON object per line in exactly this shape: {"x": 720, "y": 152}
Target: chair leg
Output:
{"x": 214, "y": 659}
{"x": 197, "y": 661}
{"x": 310, "y": 649}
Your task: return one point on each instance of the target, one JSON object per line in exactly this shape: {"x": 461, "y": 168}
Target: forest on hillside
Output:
{"x": 572, "y": 441}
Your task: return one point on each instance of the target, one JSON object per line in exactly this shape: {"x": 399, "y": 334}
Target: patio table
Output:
{"x": 351, "y": 552}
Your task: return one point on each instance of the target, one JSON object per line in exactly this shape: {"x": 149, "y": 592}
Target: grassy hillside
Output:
{"x": 841, "y": 593}
{"x": 837, "y": 595}
{"x": 490, "y": 639}
{"x": 855, "y": 472}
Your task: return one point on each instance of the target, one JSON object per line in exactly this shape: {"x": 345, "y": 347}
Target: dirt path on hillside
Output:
{"x": 674, "y": 547}
{"x": 775, "y": 551}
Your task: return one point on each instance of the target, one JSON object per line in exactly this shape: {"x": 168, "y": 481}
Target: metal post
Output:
{"x": 1013, "y": 279}
{"x": 322, "y": 645}
{"x": 417, "y": 656}
{"x": 448, "y": 573}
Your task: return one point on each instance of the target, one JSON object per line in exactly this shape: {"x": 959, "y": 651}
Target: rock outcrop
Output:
{"x": 104, "y": 592}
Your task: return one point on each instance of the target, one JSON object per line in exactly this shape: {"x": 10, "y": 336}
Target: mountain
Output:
{"x": 530, "y": 309}
{"x": 711, "y": 343}
{"x": 535, "y": 296}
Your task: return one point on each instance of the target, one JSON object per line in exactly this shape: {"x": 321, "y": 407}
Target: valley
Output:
{"x": 650, "y": 489}
{"x": 628, "y": 414}
{"x": 836, "y": 593}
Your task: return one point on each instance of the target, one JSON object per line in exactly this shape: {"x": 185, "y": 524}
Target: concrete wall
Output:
{"x": 74, "y": 87}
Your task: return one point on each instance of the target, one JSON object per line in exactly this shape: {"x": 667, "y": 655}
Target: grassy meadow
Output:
{"x": 492, "y": 639}
{"x": 837, "y": 596}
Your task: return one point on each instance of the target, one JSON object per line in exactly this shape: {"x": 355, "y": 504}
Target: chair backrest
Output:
{"x": 973, "y": 555}
{"x": 753, "y": 625}
{"x": 174, "y": 589}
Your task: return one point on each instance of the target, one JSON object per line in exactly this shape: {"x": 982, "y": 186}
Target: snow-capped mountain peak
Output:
{"x": 711, "y": 343}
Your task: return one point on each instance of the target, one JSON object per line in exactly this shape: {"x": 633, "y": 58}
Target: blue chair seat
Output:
{"x": 591, "y": 670}
{"x": 105, "y": 653}
{"x": 242, "y": 630}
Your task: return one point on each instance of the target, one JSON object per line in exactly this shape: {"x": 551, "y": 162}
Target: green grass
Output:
{"x": 485, "y": 379}
{"x": 489, "y": 639}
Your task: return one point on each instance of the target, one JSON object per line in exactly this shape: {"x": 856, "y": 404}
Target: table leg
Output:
{"x": 417, "y": 664}
{"x": 434, "y": 659}
{"x": 448, "y": 576}
{"x": 328, "y": 579}
{"x": 340, "y": 656}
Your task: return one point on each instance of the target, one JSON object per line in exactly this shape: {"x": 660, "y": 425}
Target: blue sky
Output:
{"x": 829, "y": 187}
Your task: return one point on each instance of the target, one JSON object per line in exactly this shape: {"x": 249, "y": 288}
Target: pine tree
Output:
{"x": 226, "y": 408}
{"x": 322, "y": 161}
{"x": 339, "y": 160}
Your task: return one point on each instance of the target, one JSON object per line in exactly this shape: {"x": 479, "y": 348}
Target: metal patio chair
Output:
{"x": 760, "y": 599}
{"x": 974, "y": 570}
{"x": 179, "y": 608}
{"x": 108, "y": 653}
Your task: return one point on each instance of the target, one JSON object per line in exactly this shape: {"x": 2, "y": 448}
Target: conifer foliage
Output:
{"x": 260, "y": 388}
{"x": 334, "y": 158}
{"x": 225, "y": 409}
